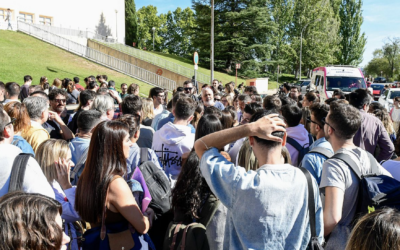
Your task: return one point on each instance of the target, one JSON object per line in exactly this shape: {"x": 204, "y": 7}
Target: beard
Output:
{"x": 208, "y": 103}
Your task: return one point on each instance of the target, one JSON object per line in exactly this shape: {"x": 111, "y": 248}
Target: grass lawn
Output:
{"x": 25, "y": 55}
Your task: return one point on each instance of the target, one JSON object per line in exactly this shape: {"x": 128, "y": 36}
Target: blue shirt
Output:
{"x": 219, "y": 105}
{"x": 158, "y": 118}
{"x": 22, "y": 144}
{"x": 313, "y": 161}
{"x": 171, "y": 118}
{"x": 267, "y": 208}
{"x": 78, "y": 146}
{"x": 134, "y": 158}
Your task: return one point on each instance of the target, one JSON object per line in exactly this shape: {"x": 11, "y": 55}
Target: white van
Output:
{"x": 326, "y": 79}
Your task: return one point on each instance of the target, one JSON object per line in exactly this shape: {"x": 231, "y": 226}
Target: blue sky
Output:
{"x": 381, "y": 19}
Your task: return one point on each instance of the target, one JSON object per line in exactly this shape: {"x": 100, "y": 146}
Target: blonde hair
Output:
{"x": 147, "y": 108}
{"x": 49, "y": 152}
{"x": 57, "y": 82}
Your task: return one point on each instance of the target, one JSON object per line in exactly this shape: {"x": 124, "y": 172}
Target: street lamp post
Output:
{"x": 301, "y": 42}
{"x": 212, "y": 42}
{"x": 116, "y": 25}
{"x": 154, "y": 29}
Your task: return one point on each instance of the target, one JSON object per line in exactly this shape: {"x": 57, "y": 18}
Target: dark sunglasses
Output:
{"x": 11, "y": 122}
{"x": 60, "y": 100}
{"x": 217, "y": 100}
{"x": 324, "y": 122}
{"x": 188, "y": 89}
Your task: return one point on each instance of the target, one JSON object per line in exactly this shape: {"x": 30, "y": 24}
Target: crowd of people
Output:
{"x": 210, "y": 167}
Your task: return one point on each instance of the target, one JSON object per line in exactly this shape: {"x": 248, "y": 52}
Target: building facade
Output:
{"x": 83, "y": 15}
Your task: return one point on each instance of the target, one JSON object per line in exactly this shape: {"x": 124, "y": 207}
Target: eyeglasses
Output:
{"x": 60, "y": 100}
{"x": 188, "y": 89}
{"x": 162, "y": 96}
{"x": 217, "y": 100}
{"x": 309, "y": 120}
{"x": 11, "y": 122}
{"x": 324, "y": 122}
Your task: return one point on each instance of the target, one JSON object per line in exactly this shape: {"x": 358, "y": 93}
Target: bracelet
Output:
{"x": 204, "y": 144}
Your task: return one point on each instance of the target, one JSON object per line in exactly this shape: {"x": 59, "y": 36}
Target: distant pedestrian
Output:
{"x": 8, "y": 18}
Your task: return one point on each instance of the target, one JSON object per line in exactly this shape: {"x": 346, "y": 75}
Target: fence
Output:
{"x": 156, "y": 60}
{"x": 94, "y": 55}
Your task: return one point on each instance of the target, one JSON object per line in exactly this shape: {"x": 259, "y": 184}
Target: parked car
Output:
{"x": 303, "y": 84}
{"x": 387, "y": 98}
{"x": 380, "y": 79}
{"x": 378, "y": 89}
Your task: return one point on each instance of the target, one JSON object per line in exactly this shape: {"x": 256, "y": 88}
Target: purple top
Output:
{"x": 371, "y": 134}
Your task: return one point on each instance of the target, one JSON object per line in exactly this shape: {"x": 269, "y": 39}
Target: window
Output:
{"x": 26, "y": 17}
{"x": 45, "y": 20}
{"x": 3, "y": 14}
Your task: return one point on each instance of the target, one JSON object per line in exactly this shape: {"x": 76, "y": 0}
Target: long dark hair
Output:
{"x": 191, "y": 188}
{"x": 28, "y": 221}
{"x": 105, "y": 160}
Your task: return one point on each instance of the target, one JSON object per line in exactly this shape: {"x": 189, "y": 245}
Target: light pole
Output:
{"x": 212, "y": 42}
{"x": 301, "y": 42}
{"x": 116, "y": 25}
{"x": 154, "y": 29}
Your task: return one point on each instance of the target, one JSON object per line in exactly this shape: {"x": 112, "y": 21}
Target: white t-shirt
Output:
{"x": 158, "y": 110}
{"x": 393, "y": 167}
{"x": 34, "y": 180}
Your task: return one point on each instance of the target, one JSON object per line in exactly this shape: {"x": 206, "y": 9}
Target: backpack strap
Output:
{"x": 144, "y": 154}
{"x": 349, "y": 162}
{"x": 294, "y": 143}
{"x": 176, "y": 231}
{"x": 18, "y": 172}
{"x": 79, "y": 164}
{"x": 311, "y": 203}
{"x": 322, "y": 151}
{"x": 183, "y": 244}
{"x": 310, "y": 139}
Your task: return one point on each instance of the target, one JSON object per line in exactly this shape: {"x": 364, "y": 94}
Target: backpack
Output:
{"x": 319, "y": 150}
{"x": 374, "y": 191}
{"x": 303, "y": 150}
{"x": 192, "y": 236}
{"x": 77, "y": 171}
{"x": 157, "y": 183}
{"x": 18, "y": 172}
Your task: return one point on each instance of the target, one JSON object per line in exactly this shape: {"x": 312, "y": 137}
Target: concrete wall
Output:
{"x": 179, "y": 79}
{"x": 74, "y": 14}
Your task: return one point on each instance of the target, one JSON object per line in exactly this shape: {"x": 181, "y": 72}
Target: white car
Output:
{"x": 303, "y": 84}
{"x": 387, "y": 98}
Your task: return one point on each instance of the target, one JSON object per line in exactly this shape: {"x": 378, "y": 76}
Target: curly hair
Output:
{"x": 28, "y": 221}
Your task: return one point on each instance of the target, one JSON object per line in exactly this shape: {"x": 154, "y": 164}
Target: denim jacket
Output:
{"x": 267, "y": 208}
{"x": 313, "y": 161}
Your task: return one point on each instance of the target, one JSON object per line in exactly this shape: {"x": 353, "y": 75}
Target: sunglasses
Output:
{"x": 217, "y": 100}
{"x": 324, "y": 122}
{"x": 188, "y": 89}
{"x": 60, "y": 100}
{"x": 11, "y": 122}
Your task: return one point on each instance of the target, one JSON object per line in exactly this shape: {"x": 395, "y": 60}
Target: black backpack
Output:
{"x": 157, "y": 183}
{"x": 18, "y": 172}
{"x": 375, "y": 191}
{"x": 303, "y": 150}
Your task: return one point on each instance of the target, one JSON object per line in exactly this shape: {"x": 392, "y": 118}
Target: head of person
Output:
{"x": 360, "y": 99}
{"x": 396, "y": 101}
{"x": 70, "y": 87}
{"x": 105, "y": 105}
{"x": 99, "y": 79}
{"x": 38, "y": 108}
{"x": 233, "y": 113}
{"x": 188, "y": 87}
{"x": 57, "y": 83}
{"x": 27, "y": 79}
{"x": 207, "y": 95}
{"x": 208, "y": 124}
{"x": 342, "y": 122}
{"x": 157, "y": 95}
{"x": 104, "y": 85}
{"x": 102, "y": 91}
{"x": 88, "y": 120}
{"x": 58, "y": 100}
{"x": 49, "y": 152}
{"x": 111, "y": 84}
{"x": 178, "y": 90}
{"x": 86, "y": 98}
{"x": 249, "y": 110}
{"x": 19, "y": 112}
{"x": 318, "y": 112}
{"x": 272, "y": 102}
{"x": 2, "y": 91}
{"x": 215, "y": 83}
{"x": 294, "y": 93}
{"x": 147, "y": 108}
{"x": 133, "y": 123}
{"x": 292, "y": 114}
{"x": 250, "y": 90}
{"x": 132, "y": 104}
{"x": 217, "y": 97}
{"x": 184, "y": 109}
{"x": 34, "y": 88}
{"x": 213, "y": 111}
{"x": 243, "y": 100}
{"x": 41, "y": 94}
{"x": 309, "y": 99}
{"x": 12, "y": 90}
{"x": 285, "y": 100}
{"x": 65, "y": 82}
{"x": 286, "y": 88}
{"x": 198, "y": 113}
{"x": 102, "y": 164}
{"x": 338, "y": 93}
{"x": 256, "y": 98}
{"x": 227, "y": 120}
{"x": 124, "y": 88}
{"x": 134, "y": 89}
{"x": 263, "y": 146}
{"x": 43, "y": 80}
{"x": 378, "y": 230}
{"x": 229, "y": 88}
{"x": 76, "y": 80}
{"x": 37, "y": 219}
{"x": 227, "y": 100}
{"x": 375, "y": 106}
{"x": 7, "y": 128}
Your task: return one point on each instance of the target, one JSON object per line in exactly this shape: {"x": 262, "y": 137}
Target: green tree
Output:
{"x": 352, "y": 44}
{"x": 391, "y": 52}
{"x": 377, "y": 65}
{"x": 102, "y": 28}
{"x": 147, "y": 19}
{"x": 131, "y": 26}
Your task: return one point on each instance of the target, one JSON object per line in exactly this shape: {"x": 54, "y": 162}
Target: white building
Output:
{"x": 75, "y": 14}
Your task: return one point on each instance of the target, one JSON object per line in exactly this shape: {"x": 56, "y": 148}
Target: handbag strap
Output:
{"x": 18, "y": 172}
{"x": 311, "y": 203}
{"x": 103, "y": 214}
{"x": 175, "y": 235}
{"x": 183, "y": 244}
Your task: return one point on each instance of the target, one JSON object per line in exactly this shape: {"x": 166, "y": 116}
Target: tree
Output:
{"x": 131, "y": 26}
{"x": 391, "y": 52}
{"x": 377, "y": 65}
{"x": 102, "y": 28}
{"x": 147, "y": 19}
{"x": 352, "y": 44}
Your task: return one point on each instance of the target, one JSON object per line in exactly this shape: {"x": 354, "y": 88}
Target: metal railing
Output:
{"x": 97, "y": 56}
{"x": 156, "y": 60}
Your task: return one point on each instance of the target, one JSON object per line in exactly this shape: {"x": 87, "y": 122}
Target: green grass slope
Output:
{"x": 21, "y": 55}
